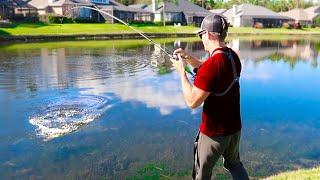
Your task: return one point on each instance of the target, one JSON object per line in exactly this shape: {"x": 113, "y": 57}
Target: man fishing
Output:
{"x": 216, "y": 84}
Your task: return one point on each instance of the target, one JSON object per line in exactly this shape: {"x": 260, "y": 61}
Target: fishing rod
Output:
{"x": 166, "y": 51}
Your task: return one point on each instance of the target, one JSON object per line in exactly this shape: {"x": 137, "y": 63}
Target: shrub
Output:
{"x": 258, "y": 25}
{"x": 86, "y": 21}
{"x": 311, "y": 26}
{"x": 56, "y": 19}
{"x": 5, "y": 23}
{"x": 297, "y": 26}
{"x": 286, "y": 25}
{"x": 318, "y": 21}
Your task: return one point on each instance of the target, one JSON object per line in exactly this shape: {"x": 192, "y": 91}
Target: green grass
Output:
{"x": 302, "y": 174}
{"x": 125, "y": 44}
{"x": 68, "y": 29}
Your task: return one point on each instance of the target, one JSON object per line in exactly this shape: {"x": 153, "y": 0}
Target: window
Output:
{"x": 100, "y": 1}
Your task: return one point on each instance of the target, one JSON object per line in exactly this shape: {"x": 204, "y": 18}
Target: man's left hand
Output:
{"x": 179, "y": 65}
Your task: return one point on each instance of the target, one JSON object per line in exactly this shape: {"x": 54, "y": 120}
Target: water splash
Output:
{"x": 65, "y": 115}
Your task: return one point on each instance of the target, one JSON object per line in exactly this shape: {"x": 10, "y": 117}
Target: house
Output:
{"x": 16, "y": 10}
{"x": 182, "y": 11}
{"x": 67, "y": 8}
{"x": 313, "y": 13}
{"x": 299, "y": 16}
{"x": 63, "y": 8}
{"x": 126, "y": 13}
{"x": 24, "y": 12}
{"x": 250, "y": 15}
{"x": 6, "y": 9}
{"x": 303, "y": 16}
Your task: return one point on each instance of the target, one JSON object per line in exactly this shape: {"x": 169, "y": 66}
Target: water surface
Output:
{"x": 92, "y": 109}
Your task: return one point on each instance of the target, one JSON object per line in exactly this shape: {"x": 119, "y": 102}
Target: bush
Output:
{"x": 86, "y": 21}
{"x": 286, "y": 26}
{"x": 57, "y": 19}
{"x": 311, "y": 26}
{"x": 258, "y": 25}
{"x": 317, "y": 21}
{"x": 141, "y": 24}
{"x": 297, "y": 26}
{"x": 5, "y": 23}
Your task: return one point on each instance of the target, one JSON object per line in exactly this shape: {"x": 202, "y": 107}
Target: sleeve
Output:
{"x": 208, "y": 73}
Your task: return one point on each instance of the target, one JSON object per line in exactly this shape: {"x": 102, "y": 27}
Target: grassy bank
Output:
{"x": 68, "y": 29}
{"x": 302, "y": 174}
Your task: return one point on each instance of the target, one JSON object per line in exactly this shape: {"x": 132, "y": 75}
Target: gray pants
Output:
{"x": 207, "y": 151}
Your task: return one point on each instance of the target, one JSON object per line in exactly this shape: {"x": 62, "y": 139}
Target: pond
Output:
{"x": 114, "y": 109}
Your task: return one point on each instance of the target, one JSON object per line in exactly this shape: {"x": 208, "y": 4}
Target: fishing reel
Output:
{"x": 187, "y": 69}
{"x": 175, "y": 57}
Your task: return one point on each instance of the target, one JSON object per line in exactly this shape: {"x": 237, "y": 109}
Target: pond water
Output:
{"x": 114, "y": 109}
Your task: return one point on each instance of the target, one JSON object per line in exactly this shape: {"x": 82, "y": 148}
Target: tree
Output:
{"x": 317, "y": 21}
{"x": 164, "y": 9}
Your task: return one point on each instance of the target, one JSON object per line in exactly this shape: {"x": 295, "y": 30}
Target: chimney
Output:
{"x": 154, "y": 5}
{"x": 234, "y": 10}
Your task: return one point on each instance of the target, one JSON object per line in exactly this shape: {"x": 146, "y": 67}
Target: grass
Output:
{"x": 125, "y": 44}
{"x": 68, "y": 29}
{"x": 302, "y": 174}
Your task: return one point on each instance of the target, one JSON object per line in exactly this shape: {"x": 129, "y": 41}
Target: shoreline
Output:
{"x": 124, "y": 36}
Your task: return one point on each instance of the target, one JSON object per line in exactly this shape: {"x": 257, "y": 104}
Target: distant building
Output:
{"x": 67, "y": 8}
{"x": 248, "y": 15}
{"x": 182, "y": 11}
{"x": 6, "y": 9}
{"x": 303, "y": 16}
{"x": 126, "y": 13}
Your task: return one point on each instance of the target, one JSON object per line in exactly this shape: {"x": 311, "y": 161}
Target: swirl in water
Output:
{"x": 65, "y": 115}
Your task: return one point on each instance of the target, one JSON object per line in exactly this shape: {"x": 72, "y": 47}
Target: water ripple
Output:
{"x": 66, "y": 115}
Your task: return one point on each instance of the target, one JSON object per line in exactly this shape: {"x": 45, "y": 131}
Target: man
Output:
{"x": 216, "y": 84}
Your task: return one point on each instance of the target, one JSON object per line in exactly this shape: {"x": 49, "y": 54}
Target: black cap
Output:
{"x": 214, "y": 23}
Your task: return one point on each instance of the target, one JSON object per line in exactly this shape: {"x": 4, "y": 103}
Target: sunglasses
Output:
{"x": 202, "y": 33}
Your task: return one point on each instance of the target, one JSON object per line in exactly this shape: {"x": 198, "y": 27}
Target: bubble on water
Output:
{"x": 68, "y": 114}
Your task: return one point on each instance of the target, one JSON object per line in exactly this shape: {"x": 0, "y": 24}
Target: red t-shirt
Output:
{"x": 221, "y": 114}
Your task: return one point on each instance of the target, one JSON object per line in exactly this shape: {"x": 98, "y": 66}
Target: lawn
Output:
{"x": 302, "y": 174}
{"x": 65, "y": 29}
{"x": 68, "y": 29}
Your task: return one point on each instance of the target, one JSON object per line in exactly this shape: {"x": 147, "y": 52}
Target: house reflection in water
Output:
{"x": 291, "y": 51}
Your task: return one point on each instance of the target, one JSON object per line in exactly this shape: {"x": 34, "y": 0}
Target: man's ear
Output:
{"x": 212, "y": 36}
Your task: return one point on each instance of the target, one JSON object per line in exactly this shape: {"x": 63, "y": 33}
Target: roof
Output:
{"x": 42, "y": 4}
{"x": 254, "y": 11}
{"x": 138, "y": 6}
{"x": 313, "y": 9}
{"x": 184, "y": 6}
{"x": 120, "y": 7}
{"x": 297, "y": 14}
{"x": 15, "y": 4}
{"x": 218, "y": 11}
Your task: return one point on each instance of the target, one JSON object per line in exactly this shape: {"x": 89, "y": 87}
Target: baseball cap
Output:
{"x": 214, "y": 23}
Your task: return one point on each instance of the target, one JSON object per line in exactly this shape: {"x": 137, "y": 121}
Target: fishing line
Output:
{"x": 166, "y": 51}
